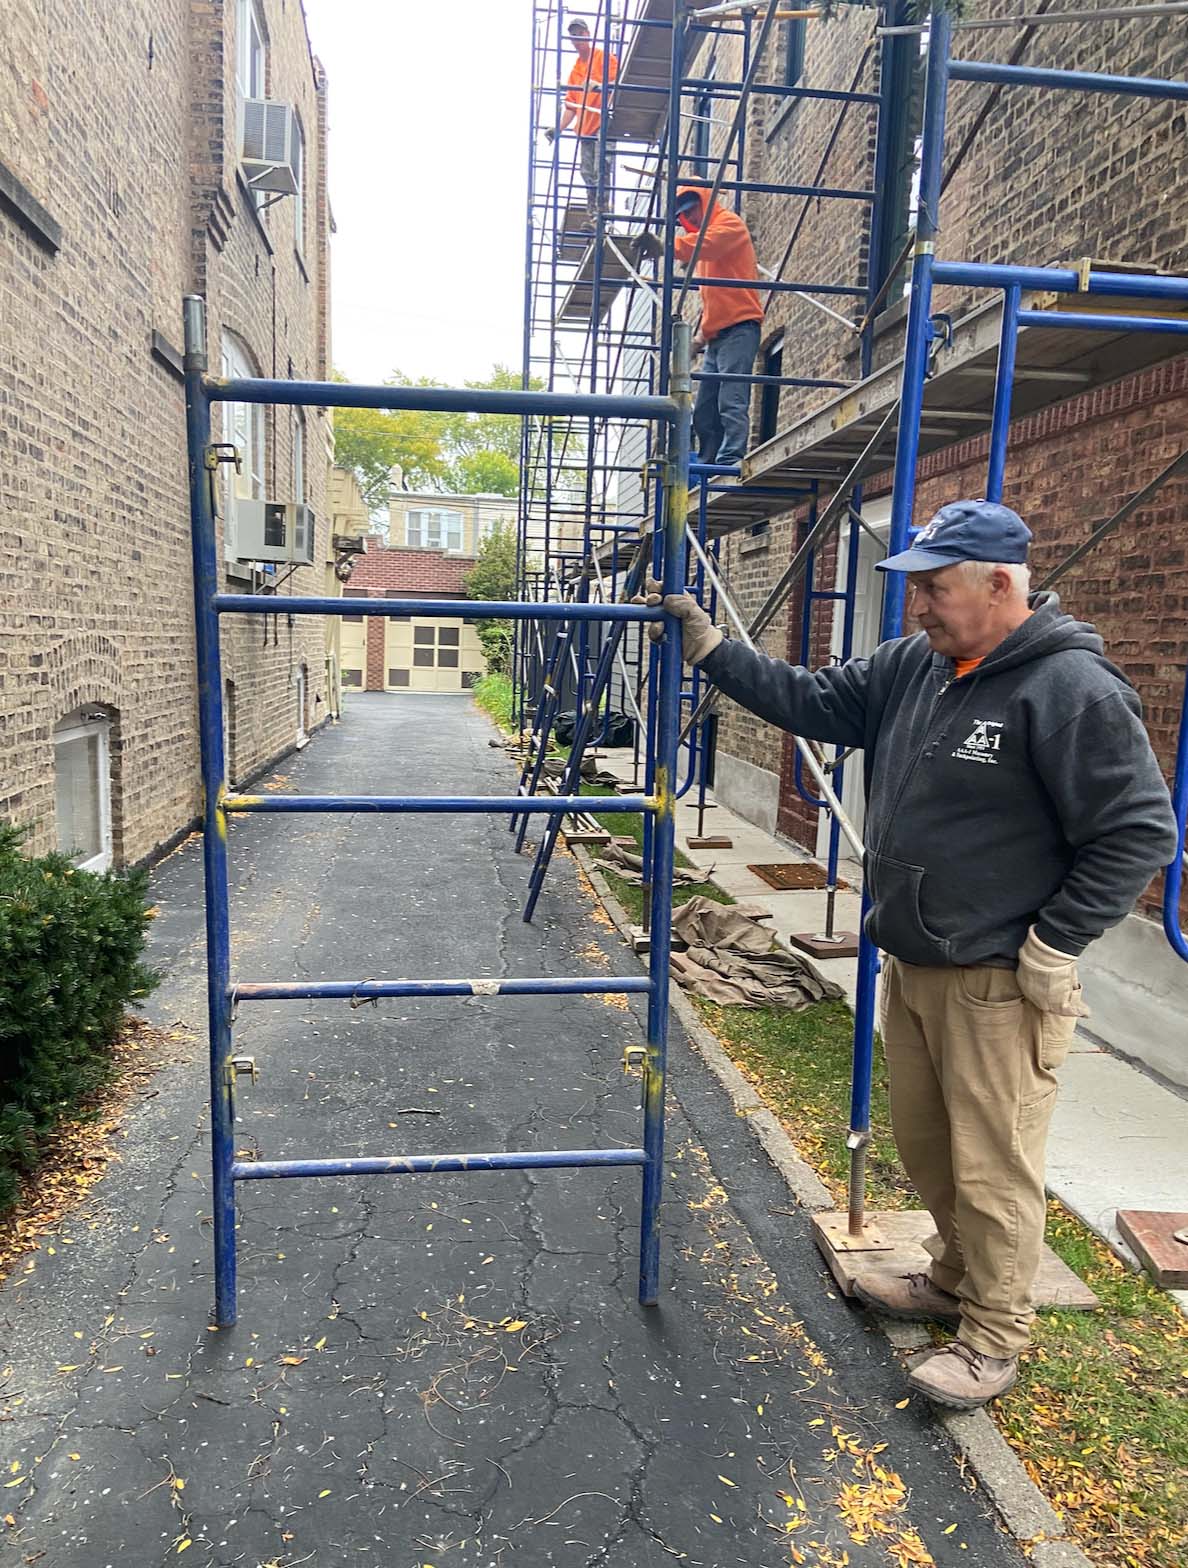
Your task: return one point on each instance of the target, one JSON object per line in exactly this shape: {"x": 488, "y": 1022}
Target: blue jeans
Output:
{"x": 722, "y": 413}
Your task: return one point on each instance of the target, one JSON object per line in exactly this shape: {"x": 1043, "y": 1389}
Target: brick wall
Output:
{"x": 411, "y": 571}
{"x": 120, "y": 122}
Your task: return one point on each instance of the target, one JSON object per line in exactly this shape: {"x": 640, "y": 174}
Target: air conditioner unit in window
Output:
{"x": 271, "y": 146}
{"x": 274, "y": 531}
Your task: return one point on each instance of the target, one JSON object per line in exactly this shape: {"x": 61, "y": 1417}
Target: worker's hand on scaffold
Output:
{"x": 550, "y": 135}
{"x": 699, "y": 635}
{"x": 648, "y": 247}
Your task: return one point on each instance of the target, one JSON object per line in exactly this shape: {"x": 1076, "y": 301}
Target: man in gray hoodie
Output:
{"x": 1015, "y": 811}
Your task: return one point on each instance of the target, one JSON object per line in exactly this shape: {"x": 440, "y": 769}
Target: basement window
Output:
{"x": 82, "y": 788}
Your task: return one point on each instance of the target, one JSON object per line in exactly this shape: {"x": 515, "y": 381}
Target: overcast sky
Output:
{"x": 428, "y": 163}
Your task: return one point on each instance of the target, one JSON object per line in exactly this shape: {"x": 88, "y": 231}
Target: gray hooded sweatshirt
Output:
{"x": 1025, "y": 793}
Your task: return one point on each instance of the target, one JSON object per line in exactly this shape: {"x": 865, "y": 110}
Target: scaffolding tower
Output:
{"x": 597, "y": 318}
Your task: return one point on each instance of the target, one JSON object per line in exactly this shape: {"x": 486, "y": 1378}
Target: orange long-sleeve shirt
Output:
{"x": 585, "y": 79}
{"x": 726, "y": 252}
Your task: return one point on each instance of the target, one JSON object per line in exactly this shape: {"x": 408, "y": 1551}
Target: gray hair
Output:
{"x": 1018, "y": 571}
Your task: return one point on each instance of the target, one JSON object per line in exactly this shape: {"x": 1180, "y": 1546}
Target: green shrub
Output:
{"x": 70, "y": 949}
{"x": 494, "y": 694}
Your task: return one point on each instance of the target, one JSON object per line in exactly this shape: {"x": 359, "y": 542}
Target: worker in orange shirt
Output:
{"x": 583, "y": 104}
{"x": 730, "y": 320}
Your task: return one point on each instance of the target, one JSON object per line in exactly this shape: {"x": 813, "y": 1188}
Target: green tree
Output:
{"x": 463, "y": 453}
{"x": 369, "y": 441}
{"x": 494, "y": 576}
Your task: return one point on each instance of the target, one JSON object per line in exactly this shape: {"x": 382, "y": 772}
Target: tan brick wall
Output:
{"x": 134, "y": 158}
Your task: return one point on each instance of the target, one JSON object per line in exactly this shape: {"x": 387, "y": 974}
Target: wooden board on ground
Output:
{"x": 794, "y": 876}
{"x": 710, "y": 841}
{"x": 1154, "y": 1234}
{"x": 842, "y": 944}
{"x": 592, "y": 836}
{"x": 901, "y": 1234}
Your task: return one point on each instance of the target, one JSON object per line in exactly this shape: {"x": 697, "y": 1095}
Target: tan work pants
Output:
{"x": 971, "y": 1065}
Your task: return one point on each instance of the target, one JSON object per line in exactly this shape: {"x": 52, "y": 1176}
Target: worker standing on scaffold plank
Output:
{"x": 583, "y": 103}
{"x": 1015, "y": 811}
{"x": 730, "y": 319}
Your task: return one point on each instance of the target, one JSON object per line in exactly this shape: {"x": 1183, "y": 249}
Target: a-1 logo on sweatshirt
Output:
{"x": 981, "y": 744}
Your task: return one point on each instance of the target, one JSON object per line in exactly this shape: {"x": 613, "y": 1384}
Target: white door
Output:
{"x": 868, "y": 616}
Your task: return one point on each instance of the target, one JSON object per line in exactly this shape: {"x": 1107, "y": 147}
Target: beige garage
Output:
{"x": 423, "y": 654}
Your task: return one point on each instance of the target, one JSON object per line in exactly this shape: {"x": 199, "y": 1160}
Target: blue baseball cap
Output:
{"x": 964, "y": 531}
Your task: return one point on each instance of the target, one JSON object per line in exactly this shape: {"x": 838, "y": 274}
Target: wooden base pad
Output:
{"x": 844, "y": 945}
{"x": 900, "y": 1236}
{"x": 1152, "y": 1233}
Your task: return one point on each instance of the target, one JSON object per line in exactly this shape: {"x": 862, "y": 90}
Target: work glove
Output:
{"x": 1048, "y": 979}
{"x": 550, "y": 135}
{"x": 699, "y": 635}
{"x": 648, "y": 247}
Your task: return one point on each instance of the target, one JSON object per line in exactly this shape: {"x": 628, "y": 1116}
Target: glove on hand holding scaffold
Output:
{"x": 699, "y": 634}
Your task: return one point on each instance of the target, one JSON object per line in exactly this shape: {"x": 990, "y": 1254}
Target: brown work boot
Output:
{"x": 961, "y": 1378}
{"x": 912, "y": 1297}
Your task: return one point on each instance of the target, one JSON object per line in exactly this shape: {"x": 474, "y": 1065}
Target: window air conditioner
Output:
{"x": 271, "y": 146}
{"x": 274, "y": 531}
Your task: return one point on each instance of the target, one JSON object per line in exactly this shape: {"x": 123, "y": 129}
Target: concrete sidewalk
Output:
{"x": 444, "y": 1372}
{"x": 1117, "y": 1139}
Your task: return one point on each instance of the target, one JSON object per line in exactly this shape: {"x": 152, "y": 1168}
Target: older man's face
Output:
{"x": 957, "y": 613}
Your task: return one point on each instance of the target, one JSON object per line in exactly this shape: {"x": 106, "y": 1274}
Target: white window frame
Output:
{"x": 251, "y": 53}
{"x": 251, "y": 70}
{"x": 244, "y": 425}
{"x": 299, "y": 194}
{"x": 437, "y": 528}
{"x": 72, "y": 730}
{"x": 298, "y": 456}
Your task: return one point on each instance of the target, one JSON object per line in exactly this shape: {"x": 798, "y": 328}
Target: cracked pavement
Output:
{"x": 444, "y": 1371}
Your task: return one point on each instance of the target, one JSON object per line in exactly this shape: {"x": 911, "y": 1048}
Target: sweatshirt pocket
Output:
{"x": 895, "y": 922}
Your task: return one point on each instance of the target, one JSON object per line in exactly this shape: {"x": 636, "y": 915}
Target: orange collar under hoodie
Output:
{"x": 726, "y": 252}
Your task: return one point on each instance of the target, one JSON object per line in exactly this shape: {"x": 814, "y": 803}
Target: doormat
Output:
{"x": 794, "y": 876}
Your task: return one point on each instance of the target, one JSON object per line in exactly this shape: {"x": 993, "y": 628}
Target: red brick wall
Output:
{"x": 411, "y": 571}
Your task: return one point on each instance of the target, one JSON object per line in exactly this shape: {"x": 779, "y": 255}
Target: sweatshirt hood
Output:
{"x": 701, "y": 192}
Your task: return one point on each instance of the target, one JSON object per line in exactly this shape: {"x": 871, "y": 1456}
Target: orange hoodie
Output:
{"x": 584, "y": 79}
{"x": 726, "y": 252}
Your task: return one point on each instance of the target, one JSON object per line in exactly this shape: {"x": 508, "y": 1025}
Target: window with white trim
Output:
{"x": 82, "y": 788}
{"x": 251, "y": 56}
{"x": 298, "y": 455}
{"x": 429, "y": 529}
{"x": 243, "y": 426}
{"x": 251, "y": 67}
{"x": 299, "y": 195}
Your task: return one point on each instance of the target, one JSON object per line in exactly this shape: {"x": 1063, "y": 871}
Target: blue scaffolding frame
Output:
{"x": 225, "y": 993}
{"x": 547, "y": 258}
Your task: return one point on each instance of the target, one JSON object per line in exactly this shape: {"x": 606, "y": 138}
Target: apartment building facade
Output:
{"x": 433, "y": 540}
{"x": 122, "y": 188}
{"x": 1048, "y": 179}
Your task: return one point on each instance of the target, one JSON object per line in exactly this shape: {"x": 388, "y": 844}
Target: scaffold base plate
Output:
{"x": 905, "y": 1232}
{"x": 710, "y": 841}
{"x": 843, "y": 944}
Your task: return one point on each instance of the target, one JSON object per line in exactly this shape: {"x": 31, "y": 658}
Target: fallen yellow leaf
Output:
{"x": 716, "y": 1518}
{"x": 516, "y": 1326}
{"x": 725, "y": 1479}
{"x": 321, "y": 1344}
{"x": 182, "y": 1545}
{"x": 903, "y": 1404}
{"x": 326, "y": 1493}
{"x": 292, "y": 1361}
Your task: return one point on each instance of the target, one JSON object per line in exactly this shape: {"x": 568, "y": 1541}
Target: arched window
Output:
{"x": 243, "y": 424}
{"x": 82, "y": 787}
